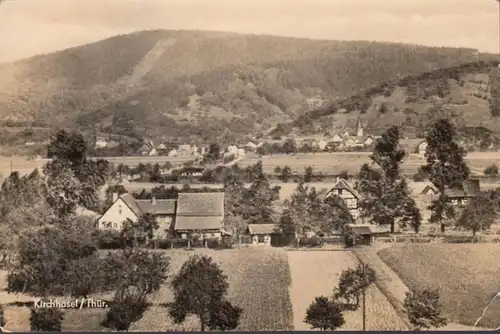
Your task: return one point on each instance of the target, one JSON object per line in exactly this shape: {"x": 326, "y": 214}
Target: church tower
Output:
{"x": 359, "y": 128}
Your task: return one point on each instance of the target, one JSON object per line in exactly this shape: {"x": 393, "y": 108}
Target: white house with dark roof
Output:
{"x": 345, "y": 191}
{"x": 127, "y": 207}
{"x": 200, "y": 213}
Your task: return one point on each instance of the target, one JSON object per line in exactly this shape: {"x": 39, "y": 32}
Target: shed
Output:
{"x": 362, "y": 234}
{"x": 264, "y": 234}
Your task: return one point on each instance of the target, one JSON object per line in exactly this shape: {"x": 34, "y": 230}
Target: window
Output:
{"x": 115, "y": 225}
{"x": 261, "y": 238}
{"x": 119, "y": 211}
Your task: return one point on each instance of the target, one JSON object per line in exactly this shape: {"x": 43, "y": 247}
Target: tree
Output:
{"x": 341, "y": 216}
{"x": 200, "y": 288}
{"x": 491, "y": 170}
{"x": 352, "y": 282}
{"x": 146, "y": 226}
{"x": 2, "y": 316}
{"x": 308, "y": 174}
{"x": 285, "y": 174}
{"x": 386, "y": 199}
{"x": 46, "y": 319}
{"x": 324, "y": 314}
{"x": 479, "y": 214}
{"x": 423, "y": 309}
{"x": 445, "y": 167}
{"x": 68, "y": 151}
{"x": 214, "y": 153}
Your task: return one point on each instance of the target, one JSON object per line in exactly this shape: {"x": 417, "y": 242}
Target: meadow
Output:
{"x": 316, "y": 273}
{"x": 258, "y": 282}
{"x": 466, "y": 276}
{"x": 337, "y": 162}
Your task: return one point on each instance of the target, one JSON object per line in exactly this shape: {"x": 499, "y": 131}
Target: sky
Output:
{"x": 30, "y": 27}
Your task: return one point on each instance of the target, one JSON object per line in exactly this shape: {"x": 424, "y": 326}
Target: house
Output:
{"x": 241, "y": 152}
{"x": 162, "y": 147}
{"x": 173, "y": 153}
{"x": 144, "y": 149}
{"x": 264, "y": 234}
{"x": 322, "y": 145}
{"x": 200, "y": 214}
{"x": 350, "y": 196}
{"x": 100, "y": 142}
{"x": 127, "y": 207}
{"x": 349, "y": 142}
{"x": 336, "y": 138}
{"x": 184, "y": 149}
{"x": 422, "y": 147}
{"x": 152, "y": 152}
{"x": 346, "y": 134}
{"x": 192, "y": 171}
{"x": 458, "y": 197}
{"x": 29, "y": 143}
{"x": 368, "y": 141}
{"x": 232, "y": 149}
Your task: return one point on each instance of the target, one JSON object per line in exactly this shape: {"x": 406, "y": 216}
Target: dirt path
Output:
{"x": 316, "y": 273}
{"x": 391, "y": 285}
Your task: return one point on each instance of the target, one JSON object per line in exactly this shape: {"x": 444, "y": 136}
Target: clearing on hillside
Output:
{"x": 258, "y": 279}
{"x": 316, "y": 273}
{"x": 467, "y": 276}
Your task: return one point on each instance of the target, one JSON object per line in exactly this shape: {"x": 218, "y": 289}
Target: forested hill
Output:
{"x": 469, "y": 94}
{"x": 198, "y": 84}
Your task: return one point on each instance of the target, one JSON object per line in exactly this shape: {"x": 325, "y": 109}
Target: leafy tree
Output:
{"x": 2, "y": 316}
{"x": 341, "y": 216}
{"x": 386, "y": 198}
{"x": 324, "y": 314}
{"x": 68, "y": 151}
{"x": 479, "y": 214}
{"x": 146, "y": 226}
{"x": 352, "y": 282}
{"x": 289, "y": 146}
{"x": 123, "y": 312}
{"x": 277, "y": 170}
{"x": 46, "y": 319}
{"x": 308, "y": 174}
{"x": 285, "y": 174}
{"x": 423, "y": 309}
{"x": 491, "y": 170}
{"x": 200, "y": 288}
{"x": 214, "y": 152}
{"x": 445, "y": 167}
{"x": 57, "y": 260}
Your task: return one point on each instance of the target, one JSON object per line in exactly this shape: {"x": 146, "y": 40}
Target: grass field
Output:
{"x": 316, "y": 273}
{"x": 258, "y": 283}
{"x": 467, "y": 277}
{"x": 334, "y": 163}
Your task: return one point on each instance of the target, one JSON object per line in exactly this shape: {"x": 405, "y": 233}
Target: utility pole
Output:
{"x": 364, "y": 298}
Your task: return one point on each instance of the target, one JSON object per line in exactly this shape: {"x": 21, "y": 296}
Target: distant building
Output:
{"x": 173, "y": 153}
{"x": 322, "y": 145}
{"x": 232, "y": 149}
{"x": 458, "y": 197}
{"x": 336, "y": 138}
{"x": 422, "y": 147}
{"x": 368, "y": 141}
{"x": 101, "y": 142}
{"x": 144, "y": 149}
{"x": 30, "y": 143}
{"x": 152, "y": 152}
{"x": 161, "y": 147}
{"x": 251, "y": 146}
{"x": 192, "y": 171}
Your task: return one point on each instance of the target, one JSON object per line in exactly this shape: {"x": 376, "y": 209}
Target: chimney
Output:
{"x": 153, "y": 200}
{"x": 115, "y": 196}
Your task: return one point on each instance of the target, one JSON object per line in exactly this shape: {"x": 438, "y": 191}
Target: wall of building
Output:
{"x": 116, "y": 215}
{"x": 266, "y": 240}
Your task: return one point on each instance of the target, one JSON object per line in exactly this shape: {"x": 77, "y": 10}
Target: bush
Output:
{"x": 108, "y": 239}
{"x": 46, "y": 319}
{"x": 461, "y": 239}
{"x": 311, "y": 242}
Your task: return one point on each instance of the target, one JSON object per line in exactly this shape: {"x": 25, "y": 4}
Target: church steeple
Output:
{"x": 359, "y": 128}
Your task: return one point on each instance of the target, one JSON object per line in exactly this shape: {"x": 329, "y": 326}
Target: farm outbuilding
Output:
{"x": 264, "y": 234}
{"x": 363, "y": 234}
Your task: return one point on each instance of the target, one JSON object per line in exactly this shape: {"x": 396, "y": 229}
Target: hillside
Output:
{"x": 191, "y": 85}
{"x": 469, "y": 94}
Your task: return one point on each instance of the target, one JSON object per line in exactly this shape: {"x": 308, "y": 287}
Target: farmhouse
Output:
{"x": 192, "y": 171}
{"x": 368, "y": 141}
{"x": 200, "y": 214}
{"x": 363, "y": 234}
{"x": 264, "y": 234}
{"x": 127, "y": 207}
{"x": 350, "y": 196}
{"x": 251, "y": 146}
{"x": 470, "y": 189}
{"x": 322, "y": 145}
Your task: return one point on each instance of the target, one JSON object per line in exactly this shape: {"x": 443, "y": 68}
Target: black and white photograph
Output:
{"x": 249, "y": 165}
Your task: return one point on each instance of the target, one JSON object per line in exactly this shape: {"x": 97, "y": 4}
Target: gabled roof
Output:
{"x": 162, "y": 146}
{"x": 428, "y": 188}
{"x": 342, "y": 184}
{"x": 263, "y": 229}
{"x": 194, "y": 223}
{"x": 201, "y": 204}
{"x": 145, "y": 147}
{"x": 139, "y": 207}
{"x": 159, "y": 207}
{"x": 366, "y": 229}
